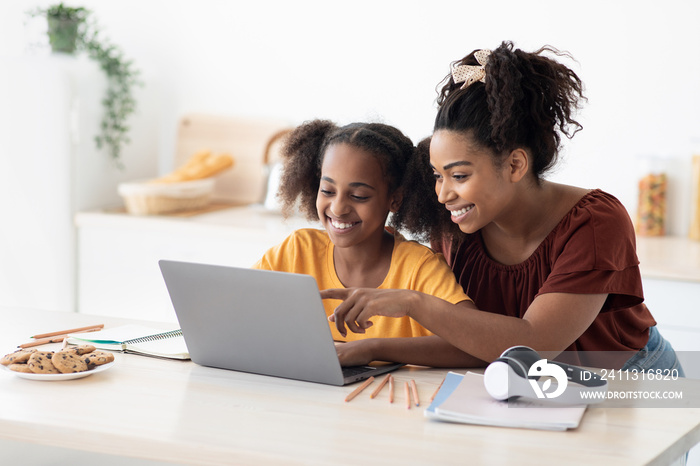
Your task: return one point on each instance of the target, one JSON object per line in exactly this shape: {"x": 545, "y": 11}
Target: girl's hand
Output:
{"x": 360, "y": 304}
{"x": 354, "y": 353}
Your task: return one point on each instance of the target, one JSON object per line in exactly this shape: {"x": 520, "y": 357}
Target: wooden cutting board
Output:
{"x": 253, "y": 144}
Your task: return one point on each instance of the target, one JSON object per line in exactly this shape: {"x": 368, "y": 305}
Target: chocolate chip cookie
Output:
{"x": 68, "y": 361}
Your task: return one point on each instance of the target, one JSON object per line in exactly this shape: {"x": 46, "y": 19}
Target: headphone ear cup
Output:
{"x": 523, "y": 354}
{"x": 506, "y": 372}
{"x": 498, "y": 375}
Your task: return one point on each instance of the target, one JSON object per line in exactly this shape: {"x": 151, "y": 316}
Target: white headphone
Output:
{"x": 519, "y": 369}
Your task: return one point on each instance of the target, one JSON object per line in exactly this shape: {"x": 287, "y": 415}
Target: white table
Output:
{"x": 157, "y": 411}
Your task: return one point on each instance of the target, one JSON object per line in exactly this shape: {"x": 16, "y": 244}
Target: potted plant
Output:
{"x": 72, "y": 30}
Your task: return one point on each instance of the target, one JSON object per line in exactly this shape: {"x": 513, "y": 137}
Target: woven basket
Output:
{"x": 144, "y": 198}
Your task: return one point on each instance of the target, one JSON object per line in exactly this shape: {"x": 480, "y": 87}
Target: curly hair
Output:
{"x": 527, "y": 99}
{"x": 423, "y": 216}
{"x": 306, "y": 146}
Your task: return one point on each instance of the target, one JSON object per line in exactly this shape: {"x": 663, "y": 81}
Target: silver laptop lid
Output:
{"x": 250, "y": 320}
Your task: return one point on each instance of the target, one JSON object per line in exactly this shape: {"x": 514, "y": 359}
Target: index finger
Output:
{"x": 335, "y": 293}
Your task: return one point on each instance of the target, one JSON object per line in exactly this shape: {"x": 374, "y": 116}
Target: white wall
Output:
{"x": 381, "y": 60}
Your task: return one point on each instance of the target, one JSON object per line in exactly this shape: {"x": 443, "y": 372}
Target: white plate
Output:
{"x": 57, "y": 377}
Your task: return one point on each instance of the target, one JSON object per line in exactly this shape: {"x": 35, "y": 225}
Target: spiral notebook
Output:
{"x": 136, "y": 339}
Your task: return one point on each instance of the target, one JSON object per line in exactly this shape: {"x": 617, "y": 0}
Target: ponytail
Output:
{"x": 526, "y": 100}
{"x": 421, "y": 214}
{"x": 301, "y": 174}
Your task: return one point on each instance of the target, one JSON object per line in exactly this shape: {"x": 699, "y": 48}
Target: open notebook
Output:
{"x": 137, "y": 339}
{"x": 464, "y": 399}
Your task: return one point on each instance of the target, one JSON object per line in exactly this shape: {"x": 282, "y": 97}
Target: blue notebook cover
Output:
{"x": 452, "y": 380}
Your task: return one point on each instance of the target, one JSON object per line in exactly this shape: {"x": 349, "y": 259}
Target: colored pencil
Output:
{"x": 42, "y": 341}
{"x": 438, "y": 389}
{"x": 408, "y": 395}
{"x": 57, "y": 337}
{"x": 391, "y": 388}
{"x": 89, "y": 328}
{"x": 381, "y": 385}
{"x": 357, "y": 391}
{"x": 414, "y": 391}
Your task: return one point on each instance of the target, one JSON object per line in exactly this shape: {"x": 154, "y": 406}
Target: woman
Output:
{"x": 548, "y": 266}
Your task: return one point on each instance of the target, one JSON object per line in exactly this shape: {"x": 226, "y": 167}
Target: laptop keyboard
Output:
{"x": 354, "y": 370}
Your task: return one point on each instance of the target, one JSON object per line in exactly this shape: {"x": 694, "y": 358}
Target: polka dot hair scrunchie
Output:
{"x": 469, "y": 74}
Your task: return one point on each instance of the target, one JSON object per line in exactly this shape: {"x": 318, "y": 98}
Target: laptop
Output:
{"x": 258, "y": 321}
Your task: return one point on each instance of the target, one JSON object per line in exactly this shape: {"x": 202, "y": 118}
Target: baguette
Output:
{"x": 201, "y": 165}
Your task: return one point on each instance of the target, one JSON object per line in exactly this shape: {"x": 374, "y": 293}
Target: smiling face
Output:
{"x": 472, "y": 188}
{"x": 353, "y": 199}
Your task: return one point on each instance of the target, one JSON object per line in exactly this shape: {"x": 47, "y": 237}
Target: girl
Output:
{"x": 549, "y": 266}
{"x": 349, "y": 179}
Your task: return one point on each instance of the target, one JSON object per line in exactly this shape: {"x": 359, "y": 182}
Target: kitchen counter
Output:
{"x": 118, "y": 253}
{"x": 669, "y": 258}
{"x": 118, "y": 261}
{"x": 670, "y": 267}
{"x": 220, "y": 218}
{"x": 662, "y": 257}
